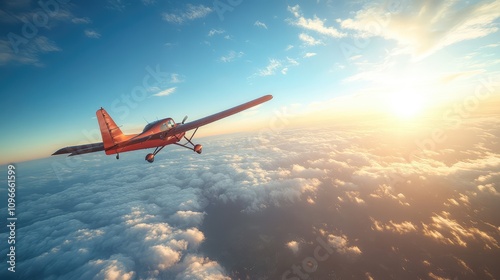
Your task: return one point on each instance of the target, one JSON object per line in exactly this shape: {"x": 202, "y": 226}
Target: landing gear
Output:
{"x": 196, "y": 148}
{"x": 117, "y": 156}
{"x": 151, "y": 157}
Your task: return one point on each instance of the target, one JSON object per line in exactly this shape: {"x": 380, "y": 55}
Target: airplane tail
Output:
{"x": 110, "y": 132}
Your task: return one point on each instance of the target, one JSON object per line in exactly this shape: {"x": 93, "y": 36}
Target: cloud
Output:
{"x": 92, "y": 34}
{"x": 270, "y": 69}
{"x": 449, "y": 231}
{"x": 294, "y": 246}
{"x": 148, "y": 2}
{"x": 422, "y": 28}
{"x": 231, "y": 56}
{"x": 213, "y": 32}
{"x": 275, "y": 65}
{"x": 341, "y": 244}
{"x": 315, "y": 24}
{"x": 84, "y": 20}
{"x": 260, "y": 24}
{"x": 192, "y": 12}
{"x": 200, "y": 268}
{"x": 117, "y": 5}
{"x": 309, "y": 40}
{"x": 309, "y": 54}
{"x": 28, "y": 53}
{"x": 168, "y": 220}
{"x": 166, "y": 92}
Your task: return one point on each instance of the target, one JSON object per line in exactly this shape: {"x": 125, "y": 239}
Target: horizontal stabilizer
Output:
{"x": 81, "y": 149}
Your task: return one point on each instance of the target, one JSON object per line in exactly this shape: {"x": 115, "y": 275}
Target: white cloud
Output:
{"x": 166, "y": 92}
{"x": 423, "y": 28}
{"x": 231, "y": 56}
{"x": 84, "y": 20}
{"x": 309, "y": 40}
{"x": 289, "y": 47}
{"x": 270, "y": 69}
{"x": 260, "y": 24}
{"x": 315, "y": 24}
{"x": 145, "y": 221}
{"x": 277, "y": 65}
{"x": 191, "y": 13}
{"x": 200, "y": 268}
{"x": 309, "y": 54}
{"x": 341, "y": 244}
{"x": 92, "y": 34}
{"x": 213, "y": 32}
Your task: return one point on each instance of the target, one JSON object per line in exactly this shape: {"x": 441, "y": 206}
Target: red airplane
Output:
{"x": 156, "y": 135}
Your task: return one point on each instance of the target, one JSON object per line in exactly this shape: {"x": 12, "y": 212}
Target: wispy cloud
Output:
{"x": 84, "y": 20}
{"x": 309, "y": 54}
{"x": 309, "y": 40}
{"x": 117, "y": 5}
{"x": 27, "y": 54}
{"x": 231, "y": 56}
{"x": 166, "y": 92}
{"x": 260, "y": 24}
{"x": 148, "y": 2}
{"x": 427, "y": 26}
{"x": 92, "y": 34}
{"x": 277, "y": 65}
{"x": 213, "y": 32}
{"x": 314, "y": 24}
{"x": 270, "y": 69}
{"x": 191, "y": 13}
{"x": 289, "y": 47}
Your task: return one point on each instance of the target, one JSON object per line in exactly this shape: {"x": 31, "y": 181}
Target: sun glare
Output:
{"x": 406, "y": 104}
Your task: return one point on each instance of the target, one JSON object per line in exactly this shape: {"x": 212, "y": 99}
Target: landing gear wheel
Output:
{"x": 150, "y": 158}
{"x": 117, "y": 156}
{"x": 198, "y": 148}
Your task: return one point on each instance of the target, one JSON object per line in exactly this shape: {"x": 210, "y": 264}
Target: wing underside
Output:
{"x": 81, "y": 149}
{"x": 220, "y": 115}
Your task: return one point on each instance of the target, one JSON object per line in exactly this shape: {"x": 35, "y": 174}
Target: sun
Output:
{"x": 406, "y": 104}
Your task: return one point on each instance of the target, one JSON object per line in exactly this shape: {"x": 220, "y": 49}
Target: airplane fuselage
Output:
{"x": 160, "y": 127}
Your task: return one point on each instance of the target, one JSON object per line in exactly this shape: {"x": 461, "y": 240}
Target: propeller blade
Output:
{"x": 184, "y": 119}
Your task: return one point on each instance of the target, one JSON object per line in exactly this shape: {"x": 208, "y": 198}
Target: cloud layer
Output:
{"x": 336, "y": 201}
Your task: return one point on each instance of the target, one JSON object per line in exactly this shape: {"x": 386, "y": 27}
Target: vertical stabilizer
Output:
{"x": 110, "y": 132}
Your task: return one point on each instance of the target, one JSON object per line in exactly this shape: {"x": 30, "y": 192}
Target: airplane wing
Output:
{"x": 201, "y": 122}
{"x": 81, "y": 149}
{"x": 215, "y": 117}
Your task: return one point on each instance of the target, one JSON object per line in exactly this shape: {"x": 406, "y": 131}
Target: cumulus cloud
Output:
{"x": 261, "y": 200}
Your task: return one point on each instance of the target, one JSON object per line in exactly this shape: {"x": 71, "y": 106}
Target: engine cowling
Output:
{"x": 198, "y": 148}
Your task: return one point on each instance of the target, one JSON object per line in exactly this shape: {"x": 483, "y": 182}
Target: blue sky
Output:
{"x": 148, "y": 59}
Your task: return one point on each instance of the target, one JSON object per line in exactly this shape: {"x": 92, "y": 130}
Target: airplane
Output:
{"x": 157, "y": 134}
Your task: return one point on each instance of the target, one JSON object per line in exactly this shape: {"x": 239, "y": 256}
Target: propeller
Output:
{"x": 184, "y": 119}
